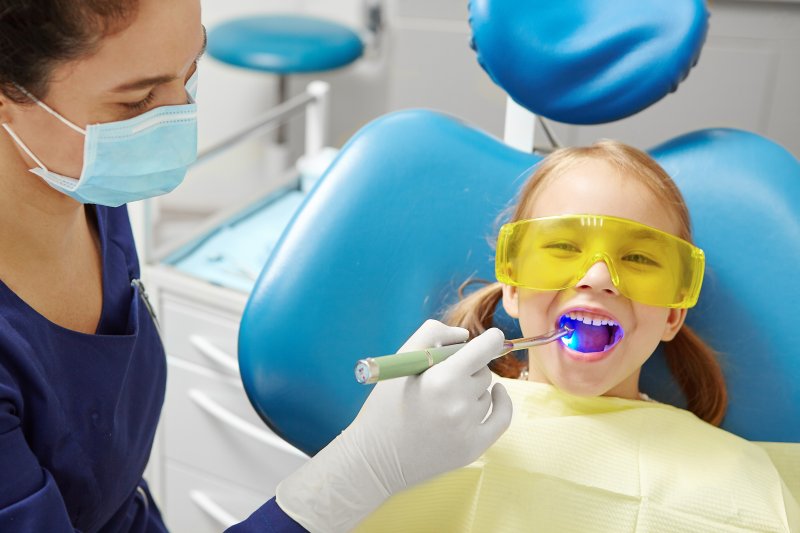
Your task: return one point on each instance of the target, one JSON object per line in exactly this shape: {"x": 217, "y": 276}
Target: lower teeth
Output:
{"x": 586, "y": 338}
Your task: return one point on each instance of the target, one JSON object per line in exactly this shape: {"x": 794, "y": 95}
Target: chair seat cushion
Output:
{"x": 284, "y": 44}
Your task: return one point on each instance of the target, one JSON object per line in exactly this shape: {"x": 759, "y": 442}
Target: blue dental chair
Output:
{"x": 404, "y": 215}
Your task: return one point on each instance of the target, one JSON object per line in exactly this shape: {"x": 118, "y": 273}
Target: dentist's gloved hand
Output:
{"x": 409, "y": 430}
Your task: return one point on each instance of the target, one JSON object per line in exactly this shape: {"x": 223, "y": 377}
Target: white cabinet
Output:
{"x": 214, "y": 460}
{"x": 201, "y": 504}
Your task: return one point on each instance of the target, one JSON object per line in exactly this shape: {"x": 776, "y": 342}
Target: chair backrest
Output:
{"x": 406, "y": 213}
{"x": 382, "y": 243}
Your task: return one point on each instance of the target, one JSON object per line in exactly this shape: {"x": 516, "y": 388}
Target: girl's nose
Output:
{"x": 598, "y": 278}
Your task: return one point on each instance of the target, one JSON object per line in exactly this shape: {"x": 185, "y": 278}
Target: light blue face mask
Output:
{"x": 129, "y": 160}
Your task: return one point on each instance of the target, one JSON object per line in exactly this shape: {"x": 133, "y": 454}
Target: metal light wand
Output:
{"x": 374, "y": 369}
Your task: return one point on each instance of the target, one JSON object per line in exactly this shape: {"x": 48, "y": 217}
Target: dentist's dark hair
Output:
{"x": 38, "y": 35}
{"x": 691, "y": 361}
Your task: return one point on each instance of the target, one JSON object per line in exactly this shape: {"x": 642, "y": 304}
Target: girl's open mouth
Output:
{"x": 591, "y": 333}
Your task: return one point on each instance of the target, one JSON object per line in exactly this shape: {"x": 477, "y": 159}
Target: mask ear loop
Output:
{"x": 50, "y": 110}
{"x": 24, "y": 147}
{"x": 47, "y": 108}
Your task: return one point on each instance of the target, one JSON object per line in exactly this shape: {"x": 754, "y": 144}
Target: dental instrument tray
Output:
{"x": 233, "y": 253}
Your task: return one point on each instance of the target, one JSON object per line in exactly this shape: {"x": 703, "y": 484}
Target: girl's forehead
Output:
{"x": 598, "y": 188}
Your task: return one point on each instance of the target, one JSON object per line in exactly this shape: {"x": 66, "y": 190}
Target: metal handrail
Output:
{"x": 269, "y": 119}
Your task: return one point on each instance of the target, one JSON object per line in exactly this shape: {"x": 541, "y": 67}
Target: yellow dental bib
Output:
{"x": 570, "y": 464}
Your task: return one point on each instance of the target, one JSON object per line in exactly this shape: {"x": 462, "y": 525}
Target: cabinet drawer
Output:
{"x": 201, "y": 334}
{"x": 209, "y": 424}
{"x": 199, "y": 503}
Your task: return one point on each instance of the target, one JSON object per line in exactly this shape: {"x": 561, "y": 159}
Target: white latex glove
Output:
{"x": 409, "y": 430}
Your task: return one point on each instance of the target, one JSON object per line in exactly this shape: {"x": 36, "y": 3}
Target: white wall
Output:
{"x": 748, "y": 77}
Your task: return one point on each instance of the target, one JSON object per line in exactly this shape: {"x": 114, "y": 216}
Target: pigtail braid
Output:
{"x": 475, "y": 312}
{"x": 695, "y": 368}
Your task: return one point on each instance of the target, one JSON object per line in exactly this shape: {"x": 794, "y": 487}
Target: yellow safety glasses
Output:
{"x": 646, "y": 265}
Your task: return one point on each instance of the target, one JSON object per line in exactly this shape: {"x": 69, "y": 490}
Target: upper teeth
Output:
{"x": 592, "y": 320}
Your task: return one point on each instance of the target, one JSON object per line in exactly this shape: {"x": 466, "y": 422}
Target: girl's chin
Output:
{"x": 574, "y": 372}
{"x": 583, "y": 390}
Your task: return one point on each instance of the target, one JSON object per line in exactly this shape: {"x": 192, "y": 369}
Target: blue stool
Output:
{"x": 283, "y": 45}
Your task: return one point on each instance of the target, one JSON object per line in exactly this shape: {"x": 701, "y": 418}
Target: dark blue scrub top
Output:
{"x": 78, "y": 412}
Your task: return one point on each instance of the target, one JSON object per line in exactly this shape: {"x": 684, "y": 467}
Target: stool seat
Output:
{"x": 284, "y": 44}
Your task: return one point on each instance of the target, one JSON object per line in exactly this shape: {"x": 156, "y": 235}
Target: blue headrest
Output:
{"x": 587, "y": 61}
{"x": 405, "y": 214}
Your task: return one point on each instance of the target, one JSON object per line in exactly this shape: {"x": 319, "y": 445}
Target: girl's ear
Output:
{"x": 675, "y": 320}
{"x": 511, "y": 301}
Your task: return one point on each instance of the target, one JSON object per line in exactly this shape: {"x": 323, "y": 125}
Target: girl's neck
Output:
{"x": 628, "y": 389}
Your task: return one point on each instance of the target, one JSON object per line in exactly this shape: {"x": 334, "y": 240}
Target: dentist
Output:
{"x": 97, "y": 110}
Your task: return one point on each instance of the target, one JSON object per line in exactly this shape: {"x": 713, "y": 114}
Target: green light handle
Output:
{"x": 374, "y": 369}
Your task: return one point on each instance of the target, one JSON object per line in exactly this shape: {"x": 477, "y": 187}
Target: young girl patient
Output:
{"x": 600, "y": 242}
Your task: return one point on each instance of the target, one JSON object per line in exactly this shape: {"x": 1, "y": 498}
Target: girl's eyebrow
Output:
{"x": 158, "y": 80}
{"x": 644, "y": 235}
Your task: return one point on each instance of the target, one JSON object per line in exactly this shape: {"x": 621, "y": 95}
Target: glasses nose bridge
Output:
{"x": 601, "y": 257}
